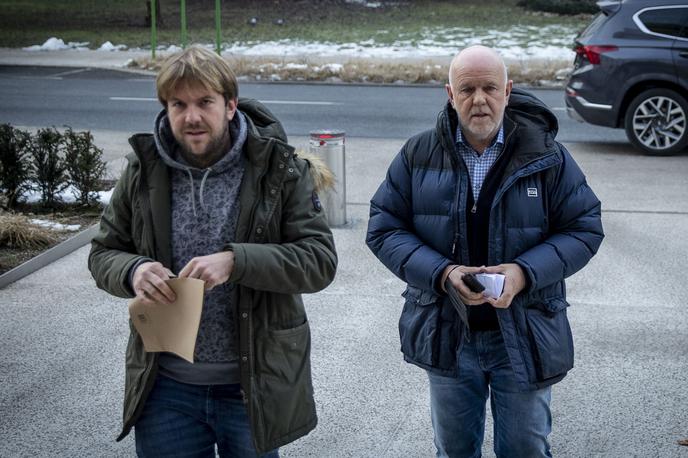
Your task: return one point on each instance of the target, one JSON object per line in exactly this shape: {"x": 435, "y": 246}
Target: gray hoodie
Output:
{"x": 205, "y": 209}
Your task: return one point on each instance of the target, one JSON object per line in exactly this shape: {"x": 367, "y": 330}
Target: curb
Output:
{"x": 53, "y": 254}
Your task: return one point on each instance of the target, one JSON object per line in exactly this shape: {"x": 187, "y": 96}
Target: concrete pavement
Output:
{"x": 62, "y": 368}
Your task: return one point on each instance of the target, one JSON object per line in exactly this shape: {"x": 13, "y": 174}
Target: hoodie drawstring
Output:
{"x": 200, "y": 191}
{"x": 193, "y": 198}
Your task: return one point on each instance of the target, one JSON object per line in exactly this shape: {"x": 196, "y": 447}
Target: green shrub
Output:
{"x": 15, "y": 168}
{"x": 85, "y": 166}
{"x": 561, "y": 6}
{"x": 49, "y": 166}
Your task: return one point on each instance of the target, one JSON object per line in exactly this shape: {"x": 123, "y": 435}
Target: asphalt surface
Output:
{"x": 61, "y": 371}
{"x": 94, "y": 98}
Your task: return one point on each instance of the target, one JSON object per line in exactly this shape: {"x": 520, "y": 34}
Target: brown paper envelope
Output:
{"x": 171, "y": 327}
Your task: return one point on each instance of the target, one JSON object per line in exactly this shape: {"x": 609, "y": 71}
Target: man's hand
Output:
{"x": 149, "y": 283}
{"x": 455, "y": 273}
{"x": 514, "y": 282}
{"x": 213, "y": 269}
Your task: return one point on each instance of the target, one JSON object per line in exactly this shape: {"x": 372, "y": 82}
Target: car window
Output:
{"x": 590, "y": 30}
{"x": 664, "y": 21}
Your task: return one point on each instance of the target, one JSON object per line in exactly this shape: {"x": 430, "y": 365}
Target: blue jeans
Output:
{"x": 522, "y": 420}
{"x": 182, "y": 420}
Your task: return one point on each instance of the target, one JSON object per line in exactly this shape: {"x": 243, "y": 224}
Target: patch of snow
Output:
{"x": 67, "y": 196}
{"x": 295, "y": 66}
{"x": 104, "y": 196}
{"x": 108, "y": 46}
{"x": 333, "y": 68}
{"x": 170, "y": 49}
{"x": 365, "y": 3}
{"x": 55, "y": 226}
{"x": 57, "y": 44}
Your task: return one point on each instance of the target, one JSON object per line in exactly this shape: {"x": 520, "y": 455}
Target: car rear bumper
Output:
{"x": 583, "y": 110}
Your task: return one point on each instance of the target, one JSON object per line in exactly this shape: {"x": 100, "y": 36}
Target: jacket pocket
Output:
{"x": 419, "y": 326}
{"x": 284, "y": 377}
{"x": 551, "y": 338}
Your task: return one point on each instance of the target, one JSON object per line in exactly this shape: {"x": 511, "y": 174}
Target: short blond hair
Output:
{"x": 193, "y": 66}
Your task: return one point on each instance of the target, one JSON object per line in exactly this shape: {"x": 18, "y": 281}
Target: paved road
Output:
{"x": 107, "y": 99}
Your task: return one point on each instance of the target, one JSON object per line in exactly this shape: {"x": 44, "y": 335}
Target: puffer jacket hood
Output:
{"x": 528, "y": 110}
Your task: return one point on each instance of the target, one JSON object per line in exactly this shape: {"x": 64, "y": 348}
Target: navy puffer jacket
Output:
{"x": 544, "y": 217}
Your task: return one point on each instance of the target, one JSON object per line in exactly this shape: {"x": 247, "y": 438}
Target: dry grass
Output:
{"x": 530, "y": 72}
{"x": 17, "y": 231}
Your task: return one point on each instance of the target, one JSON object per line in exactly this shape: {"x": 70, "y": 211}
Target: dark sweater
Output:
{"x": 483, "y": 317}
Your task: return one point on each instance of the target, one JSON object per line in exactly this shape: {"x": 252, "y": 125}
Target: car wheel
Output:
{"x": 657, "y": 122}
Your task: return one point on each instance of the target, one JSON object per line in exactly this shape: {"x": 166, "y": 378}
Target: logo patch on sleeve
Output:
{"x": 317, "y": 206}
{"x": 532, "y": 192}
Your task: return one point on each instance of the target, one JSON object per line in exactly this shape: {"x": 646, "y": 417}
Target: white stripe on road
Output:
{"x": 135, "y": 99}
{"x": 297, "y": 102}
{"x": 58, "y": 76}
{"x": 273, "y": 102}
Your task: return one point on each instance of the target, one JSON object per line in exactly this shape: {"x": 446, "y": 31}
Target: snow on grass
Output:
{"x": 67, "y": 196}
{"x": 57, "y": 44}
{"x": 108, "y": 46}
{"x": 518, "y": 43}
{"x": 52, "y": 225}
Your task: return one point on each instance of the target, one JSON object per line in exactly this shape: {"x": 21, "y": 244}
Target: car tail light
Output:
{"x": 592, "y": 53}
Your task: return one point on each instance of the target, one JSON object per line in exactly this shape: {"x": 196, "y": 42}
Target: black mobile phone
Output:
{"x": 473, "y": 283}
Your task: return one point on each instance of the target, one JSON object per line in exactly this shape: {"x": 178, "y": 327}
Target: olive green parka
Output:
{"x": 283, "y": 248}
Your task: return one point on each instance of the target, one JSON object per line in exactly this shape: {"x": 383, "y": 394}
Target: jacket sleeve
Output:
{"x": 112, "y": 249}
{"x": 391, "y": 235}
{"x": 305, "y": 260}
{"x": 575, "y": 228}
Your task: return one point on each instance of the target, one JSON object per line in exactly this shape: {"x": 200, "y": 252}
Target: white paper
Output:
{"x": 493, "y": 283}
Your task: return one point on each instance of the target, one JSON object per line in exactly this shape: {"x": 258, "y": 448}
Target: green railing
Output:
{"x": 154, "y": 30}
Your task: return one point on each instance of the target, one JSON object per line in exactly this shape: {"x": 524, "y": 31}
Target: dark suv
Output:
{"x": 631, "y": 71}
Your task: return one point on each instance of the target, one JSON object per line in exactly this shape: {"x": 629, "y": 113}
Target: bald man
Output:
{"x": 487, "y": 191}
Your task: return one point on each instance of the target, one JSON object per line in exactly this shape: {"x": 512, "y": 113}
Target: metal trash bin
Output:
{"x": 329, "y": 146}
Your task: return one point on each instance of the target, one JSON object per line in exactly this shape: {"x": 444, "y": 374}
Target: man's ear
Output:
{"x": 509, "y": 86}
{"x": 449, "y": 93}
{"x": 231, "y": 108}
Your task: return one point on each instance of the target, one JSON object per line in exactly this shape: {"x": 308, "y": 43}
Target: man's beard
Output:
{"x": 216, "y": 148}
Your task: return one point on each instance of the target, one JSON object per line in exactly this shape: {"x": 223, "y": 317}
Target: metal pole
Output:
{"x": 154, "y": 31}
{"x": 218, "y": 35}
{"x": 329, "y": 146}
{"x": 183, "y": 11}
